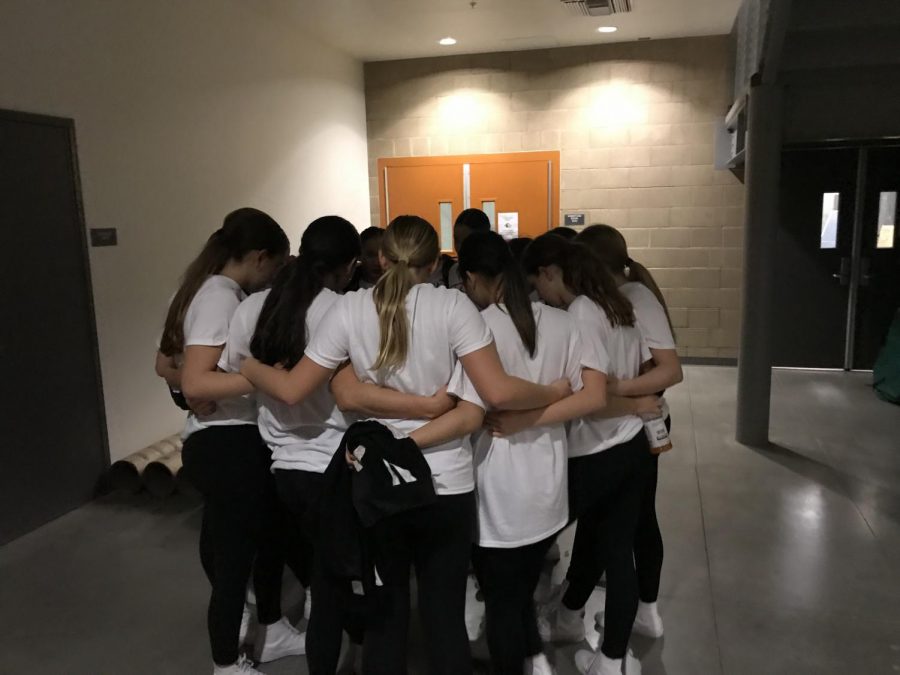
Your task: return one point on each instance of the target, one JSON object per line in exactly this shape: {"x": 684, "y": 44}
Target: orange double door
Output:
{"x": 518, "y": 191}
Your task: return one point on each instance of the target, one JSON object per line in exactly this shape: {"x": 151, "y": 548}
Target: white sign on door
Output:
{"x": 508, "y": 225}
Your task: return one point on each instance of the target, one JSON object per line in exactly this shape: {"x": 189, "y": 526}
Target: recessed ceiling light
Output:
{"x": 447, "y": 41}
{"x": 607, "y": 29}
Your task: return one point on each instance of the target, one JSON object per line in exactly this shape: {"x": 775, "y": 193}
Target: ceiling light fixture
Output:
{"x": 447, "y": 41}
{"x": 607, "y": 29}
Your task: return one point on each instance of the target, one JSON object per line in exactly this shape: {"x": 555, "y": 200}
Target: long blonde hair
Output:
{"x": 409, "y": 242}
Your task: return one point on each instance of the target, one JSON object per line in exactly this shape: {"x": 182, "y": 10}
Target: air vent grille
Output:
{"x": 598, "y": 7}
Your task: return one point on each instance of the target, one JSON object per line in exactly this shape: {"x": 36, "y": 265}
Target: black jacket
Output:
{"x": 393, "y": 477}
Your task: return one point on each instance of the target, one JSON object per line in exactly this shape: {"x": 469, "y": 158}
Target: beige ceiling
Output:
{"x": 375, "y": 30}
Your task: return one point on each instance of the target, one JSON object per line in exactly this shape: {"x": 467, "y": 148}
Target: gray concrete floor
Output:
{"x": 781, "y": 560}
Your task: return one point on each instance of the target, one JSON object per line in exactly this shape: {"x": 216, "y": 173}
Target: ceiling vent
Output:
{"x": 598, "y": 7}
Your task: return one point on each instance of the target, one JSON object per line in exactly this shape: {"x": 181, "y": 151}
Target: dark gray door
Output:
{"x": 53, "y": 449}
{"x": 813, "y": 256}
{"x": 879, "y": 290}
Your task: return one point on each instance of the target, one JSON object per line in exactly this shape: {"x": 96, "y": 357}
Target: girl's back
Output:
{"x": 520, "y": 478}
{"x": 301, "y": 436}
{"x": 443, "y": 324}
{"x": 625, "y": 351}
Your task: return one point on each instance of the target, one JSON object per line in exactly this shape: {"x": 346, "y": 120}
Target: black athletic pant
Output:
{"x": 297, "y": 490}
{"x": 608, "y": 488}
{"x": 436, "y": 540}
{"x": 242, "y": 529}
{"x": 507, "y": 578}
{"x": 333, "y": 601}
{"x": 648, "y": 542}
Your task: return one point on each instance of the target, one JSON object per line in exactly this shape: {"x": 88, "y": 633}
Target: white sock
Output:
{"x": 540, "y": 665}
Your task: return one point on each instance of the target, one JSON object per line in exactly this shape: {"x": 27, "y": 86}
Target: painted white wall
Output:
{"x": 183, "y": 112}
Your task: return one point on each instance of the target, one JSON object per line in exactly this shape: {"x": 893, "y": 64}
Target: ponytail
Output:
{"x": 583, "y": 274}
{"x": 640, "y": 274}
{"x": 486, "y": 253}
{"x": 244, "y": 230}
{"x": 409, "y": 242}
{"x": 609, "y": 245}
{"x": 328, "y": 244}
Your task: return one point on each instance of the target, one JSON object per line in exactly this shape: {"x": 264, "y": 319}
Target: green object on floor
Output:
{"x": 886, "y": 376}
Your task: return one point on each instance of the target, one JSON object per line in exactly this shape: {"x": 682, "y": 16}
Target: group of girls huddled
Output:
{"x": 528, "y": 411}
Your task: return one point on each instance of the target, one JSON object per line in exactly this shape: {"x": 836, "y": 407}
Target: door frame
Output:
{"x": 862, "y": 146}
{"x": 67, "y": 124}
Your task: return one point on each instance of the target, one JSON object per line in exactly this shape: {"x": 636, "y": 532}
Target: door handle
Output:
{"x": 844, "y": 275}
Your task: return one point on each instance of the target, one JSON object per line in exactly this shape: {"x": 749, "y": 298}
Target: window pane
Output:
{"x": 446, "y": 226}
{"x": 490, "y": 208}
{"x": 887, "y": 213}
{"x": 830, "y": 205}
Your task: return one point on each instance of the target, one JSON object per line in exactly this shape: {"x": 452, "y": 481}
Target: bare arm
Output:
{"x": 589, "y": 400}
{"x": 666, "y": 372}
{"x": 620, "y": 406}
{"x": 352, "y": 395}
{"x": 201, "y": 380}
{"x": 288, "y": 386}
{"x": 166, "y": 369}
{"x": 505, "y": 392}
{"x": 463, "y": 420}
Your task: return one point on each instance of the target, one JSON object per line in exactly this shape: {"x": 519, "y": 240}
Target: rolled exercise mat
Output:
{"x": 125, "y": 474}
{"x": 159, "y": 476}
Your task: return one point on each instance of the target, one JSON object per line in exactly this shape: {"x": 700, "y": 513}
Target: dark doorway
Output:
{"x": 837, "y": 263}
{"x": 54, "y": 448}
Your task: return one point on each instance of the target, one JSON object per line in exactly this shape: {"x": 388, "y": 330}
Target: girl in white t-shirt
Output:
{"x": 638, "y": 285}
{"x": 408, "y": 335}
{"x": 521, "y": 479}
{"x": 275, "y": 326}
{"x": 224, "y": 456}
{"x": 609, "y": 453}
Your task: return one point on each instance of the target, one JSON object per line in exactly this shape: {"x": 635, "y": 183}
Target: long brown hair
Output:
{"x": 242, "y": 231}
{"x": 610, "y": 246}
{"x": 488, "y": 254}
{"x": 328, "y": 244}
{"x": 409, "y": 242}
{"x": 583, "y": 273}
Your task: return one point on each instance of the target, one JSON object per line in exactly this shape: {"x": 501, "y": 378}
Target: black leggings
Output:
{"x": 648, "y": 542}
{"x": 609, "y": 487}
{"x": 507, "y": 578}
{"x": 437, "y": 541}
{"x": 242, "y": 529}
{"x": 333, "y": 600}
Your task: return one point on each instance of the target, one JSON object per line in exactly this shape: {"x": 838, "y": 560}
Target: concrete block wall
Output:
{"x": 634, "y": 123}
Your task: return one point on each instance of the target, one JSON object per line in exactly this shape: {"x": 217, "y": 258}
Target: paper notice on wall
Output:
{"x": 508, "y": 225}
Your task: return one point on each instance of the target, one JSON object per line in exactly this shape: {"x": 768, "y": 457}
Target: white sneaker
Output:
{"x": 539, "y": 665}
{"x": 279, "y": 640}
{"x": 243, "y": 666}
{"x": 648, "y": 621}
{"x": 562, "y": 625}
{"x": 598, "y": 663}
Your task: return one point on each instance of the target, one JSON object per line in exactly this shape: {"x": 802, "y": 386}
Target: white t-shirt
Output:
{"x": 521, "y": 479}
{"x": 651, "y": 320}
{"x": 650, "y": 315}
{"x": 301, "y": 437}
{"x": 620, "y": 352}
{"x": 444, "y": 325}
{"x": 206, "y": 324}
